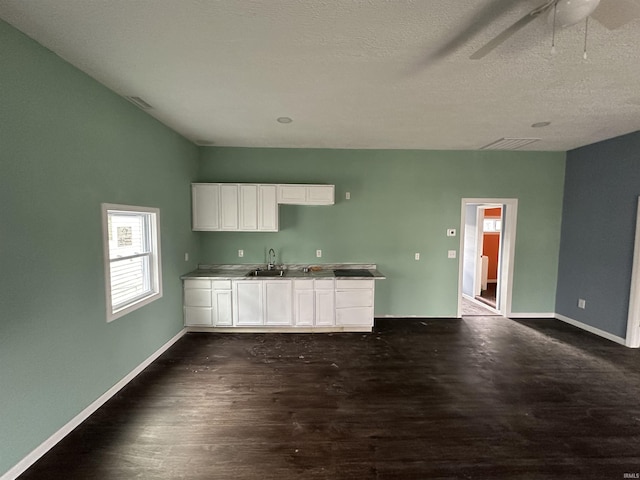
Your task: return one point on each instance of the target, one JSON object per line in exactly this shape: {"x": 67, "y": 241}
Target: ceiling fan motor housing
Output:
{"x": 570, "y": 12}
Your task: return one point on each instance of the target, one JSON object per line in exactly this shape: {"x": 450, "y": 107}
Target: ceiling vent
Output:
{"x": 509, "y": 143}
{"x": 139, "y": 102}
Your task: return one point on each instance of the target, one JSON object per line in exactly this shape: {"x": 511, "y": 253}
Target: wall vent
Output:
{"x": 139, "y": 102}
{"x": 509, "y": 143}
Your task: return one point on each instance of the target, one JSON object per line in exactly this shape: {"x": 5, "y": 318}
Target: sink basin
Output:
{"x": 266, "y": 273}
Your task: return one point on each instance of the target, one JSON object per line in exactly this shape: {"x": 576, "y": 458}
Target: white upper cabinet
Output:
{"x": 248, "y": 207}
{"x": 235, "y": 207}
{"x": 292, "y": 194}
{"x": 268, "y": 208}
{"x": 321, "y": 194}
{"x": 229, "y": 207}
{"x": 306, "y": 194}
{"x": 205, "y": 206}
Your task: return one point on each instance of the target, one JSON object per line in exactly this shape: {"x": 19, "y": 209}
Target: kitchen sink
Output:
{"x": 266, "y": 273}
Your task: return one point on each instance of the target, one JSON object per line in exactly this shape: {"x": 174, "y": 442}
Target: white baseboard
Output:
{"x": 532, "y": 315}
{"x": 412, "y": 316}
{"x": 590, "y": 329}
{"x": 19, "y": 468}
{"x": 334, "y": 329}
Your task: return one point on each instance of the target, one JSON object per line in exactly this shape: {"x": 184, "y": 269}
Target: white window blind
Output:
{"x": 131, "y": 257}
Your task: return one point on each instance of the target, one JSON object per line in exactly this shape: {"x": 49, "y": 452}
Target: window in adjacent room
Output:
{"x": 132, "y": 257}
{"x": 492, "y": 225}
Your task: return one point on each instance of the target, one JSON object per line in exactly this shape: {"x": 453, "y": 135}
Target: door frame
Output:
{"x": 477, "y": 278}
{"x": 632, "y": 339}
{"x": 508, "y": 246}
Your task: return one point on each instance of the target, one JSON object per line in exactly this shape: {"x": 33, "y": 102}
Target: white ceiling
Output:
{"x": 350, "y": 73}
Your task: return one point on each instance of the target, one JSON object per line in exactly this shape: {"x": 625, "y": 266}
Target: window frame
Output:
{"x": 154, "y": 272}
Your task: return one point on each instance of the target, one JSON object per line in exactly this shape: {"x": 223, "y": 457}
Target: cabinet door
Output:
{"x": 360, "y": 316}
{"x": 229, "y": 207}
{"x": 268, "y": 209}
{"x": 205, "y": 206}
{"x": 304, "y": 305}
{"x": 321, "y": 194}
{"x": 247, "y": 302}
{"x": 248, "y": 207}
{"x": 222, "y": 310}
{"x": 294, "y": 194}
{"x": 354, "y": 298}
{"x": 278, "y": 302}
{"x": 325, "y": 308}
{"x": 197, "y": 297}
{"x": 197, "y": 316}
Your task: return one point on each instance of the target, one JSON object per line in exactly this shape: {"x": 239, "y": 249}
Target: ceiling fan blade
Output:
{"x": 505, "y": 34}
{"x": 475, "y": 24}
{"x": 614, "y": 14}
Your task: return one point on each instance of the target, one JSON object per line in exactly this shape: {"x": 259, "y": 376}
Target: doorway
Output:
{"x": 489, "y": 239}
{"x": 497, "y": 217}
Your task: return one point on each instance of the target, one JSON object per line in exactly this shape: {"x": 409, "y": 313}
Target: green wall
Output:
{"x": 67, "y": 144}
{"x": 402, "y": 202}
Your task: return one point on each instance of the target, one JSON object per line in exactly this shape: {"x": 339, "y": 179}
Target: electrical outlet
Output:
{"x": 417, "y": 256}
{"x": 241, "y": 253}
{"x": 318, "y": 253}
{"x": 451, "y": 232}
{"x": 347, "y": 195}
{"x": 582, "y": 303}
{"x": 186, "y": 257}
{"x": 451, "y": 254}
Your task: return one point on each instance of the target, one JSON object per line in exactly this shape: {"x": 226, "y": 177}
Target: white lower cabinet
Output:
{"x": 354, "y": 302}
{"x": 197, "y": 303}
{"x": 325, "y": 303}
{"x": 279, "y": 303}
{"x": 247, "y": 302}
{"x": 221, "y": 303}
{"x": 303, "y": 303}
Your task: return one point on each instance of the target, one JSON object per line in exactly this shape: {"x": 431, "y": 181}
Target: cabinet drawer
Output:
{"x": 324, "y": 284}
{"x": 195, "y": 297}
{"x": 354, "y": 316}
{"x": 197, "y": 283}
{"x": 197, "y": 316}
{"x": 349, "y": 284}
{"x": 354, "y": 298}
{"x": 221, "y": 284}
{"x": 303, "y": 284}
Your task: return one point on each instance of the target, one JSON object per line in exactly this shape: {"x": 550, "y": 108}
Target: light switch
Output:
{"x": 186, "y": 257}
{"x": 451, "y": 254}
{"x": 347, "y": 195}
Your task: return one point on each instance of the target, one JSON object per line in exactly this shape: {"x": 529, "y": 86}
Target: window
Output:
{"x": 492, "y": 225}
{"x": 132, "y": 257}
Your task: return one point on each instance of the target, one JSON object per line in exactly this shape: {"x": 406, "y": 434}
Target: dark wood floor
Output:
{"x": 481, "y": 398}
{"x": 488, "y": 296}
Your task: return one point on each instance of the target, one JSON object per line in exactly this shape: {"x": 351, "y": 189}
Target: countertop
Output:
{"x": 292, "y": 271}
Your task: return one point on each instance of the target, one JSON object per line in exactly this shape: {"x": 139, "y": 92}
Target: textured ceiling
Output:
{"x": 350, "y": 73}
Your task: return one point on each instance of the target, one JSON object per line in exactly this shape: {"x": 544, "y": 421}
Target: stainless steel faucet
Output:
{"x": 272, "y": 259}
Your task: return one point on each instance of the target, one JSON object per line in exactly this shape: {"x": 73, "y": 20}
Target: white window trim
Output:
{"x": 156, "y": 279}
